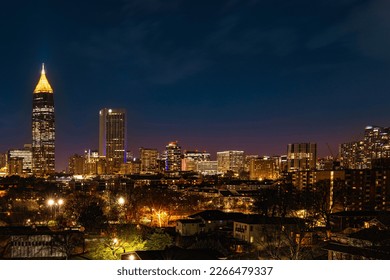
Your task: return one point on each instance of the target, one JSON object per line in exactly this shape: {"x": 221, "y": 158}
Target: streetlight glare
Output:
{"x": 50, "y": 202}
{"x": 121, "y": 201}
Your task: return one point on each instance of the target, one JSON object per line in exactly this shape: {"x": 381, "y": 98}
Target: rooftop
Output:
{"x": 43, "y": 84}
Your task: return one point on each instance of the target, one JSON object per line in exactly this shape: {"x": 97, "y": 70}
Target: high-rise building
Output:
{"x": 24, "y": 154}
{"x": 367, "y": 189}
{"x": 3, "y": 160}
{"x": 132, "y": 166}
{"x": 43, "y": 128}
{"x": 207, "y": 167}
{"x": 262, "y": 168}
{"x": 173, "y": 157}
{"x": 94, "y": 164}
{"x": 360, "y": 154}
{"x": 301, "y": 156}
{"x": 77, "y": 164}
{"x": 148, "y": 159}
{"x": 281, "y": 163}
{"x": 113, "y": 137}
{"x": 191, "y": 158}
{"x": 230, "y": 161}
{"x": 15, "y": 166}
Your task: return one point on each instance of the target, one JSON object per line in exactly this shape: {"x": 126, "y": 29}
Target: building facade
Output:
{"x": 301, "y": 156}
{"x": 148, "y": 159}
{"x": 43, "y": 128}
{"x": 173, "y": 157}
{"x": 360, "y": 154}
{"x": 230, "y": 161}
{"x": 207, "y": 167}
{"x": 262, "y": 168}
{"x": 113, "y": 138}
{"x": 94, "y": 164}
{"x": 76, "y": 165}
{"x": 24, "y": 154}
{"x": 3, "y": 160}
{"x": 191, "y": 158}
{"x": 15, "y": 166}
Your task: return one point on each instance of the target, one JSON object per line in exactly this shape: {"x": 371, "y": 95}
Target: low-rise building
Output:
{"x": 189, "y": 227}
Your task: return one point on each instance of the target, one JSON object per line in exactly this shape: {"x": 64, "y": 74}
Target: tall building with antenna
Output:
{"x": 43, "y": 128}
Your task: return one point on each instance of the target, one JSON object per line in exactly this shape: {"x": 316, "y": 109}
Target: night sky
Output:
{"x": 214, "y": 75}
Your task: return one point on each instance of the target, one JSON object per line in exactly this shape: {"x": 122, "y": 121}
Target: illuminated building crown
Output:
{"x": 43, "y": 84}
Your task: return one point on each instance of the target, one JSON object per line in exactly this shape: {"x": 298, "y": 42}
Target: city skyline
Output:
{"x": 247, "y": 76}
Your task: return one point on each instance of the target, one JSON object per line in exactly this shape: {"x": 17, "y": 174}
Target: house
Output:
{"x": 216, "y": 219}
{"x": 40, "y": 242}
{"x": 366, "y": 244}
{"x": 189, "y": 227}
{"x": 355, "y": 219}
{"x": 260, "y": 229}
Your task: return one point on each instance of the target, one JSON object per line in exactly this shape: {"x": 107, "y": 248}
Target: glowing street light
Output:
{"x": 53, "y": 204}
{"x": 160, "y": 215}
{"x": 121, "y": 201}
{"x": 50, "y": 202}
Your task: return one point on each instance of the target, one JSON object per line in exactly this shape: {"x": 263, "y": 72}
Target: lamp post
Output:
{"x": 121, "y": 202}
{"x": 53, "y": 205}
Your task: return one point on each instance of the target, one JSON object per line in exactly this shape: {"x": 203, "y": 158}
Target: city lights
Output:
{"x": 258, "y": 134}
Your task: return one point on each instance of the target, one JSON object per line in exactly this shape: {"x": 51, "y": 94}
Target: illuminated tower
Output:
{"x": 43, "y": 128}
{"x": 173, "y": 157}
{"x": 112, "y": 137}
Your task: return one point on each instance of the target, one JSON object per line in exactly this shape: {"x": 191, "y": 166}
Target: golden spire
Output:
{"x": 43, "y": 84}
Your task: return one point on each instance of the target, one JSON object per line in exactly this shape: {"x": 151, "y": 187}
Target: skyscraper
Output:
{"x": 173, "y": 157}
{"x": 43, "y": 128}
{"x": 113, "y": 137}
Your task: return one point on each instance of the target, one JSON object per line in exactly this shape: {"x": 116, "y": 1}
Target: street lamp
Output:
{"x": 121, "y": 201}
{"x": 53, "y": 204}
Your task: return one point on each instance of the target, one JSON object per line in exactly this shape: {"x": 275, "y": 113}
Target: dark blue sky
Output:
{"x": 214, "y": 75}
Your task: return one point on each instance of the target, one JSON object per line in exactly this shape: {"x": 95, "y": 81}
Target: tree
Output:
{"x": 159, "y": 241}
{"x": 77, "y": 203}
{"x": 68, "y": 243}
{"x": 285, "y": 238}
{"x": 92, "y": 217}
{"x": 322, "y": 199}
{"x": 276, "y": 201}
{"x": 116, "y": 241}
